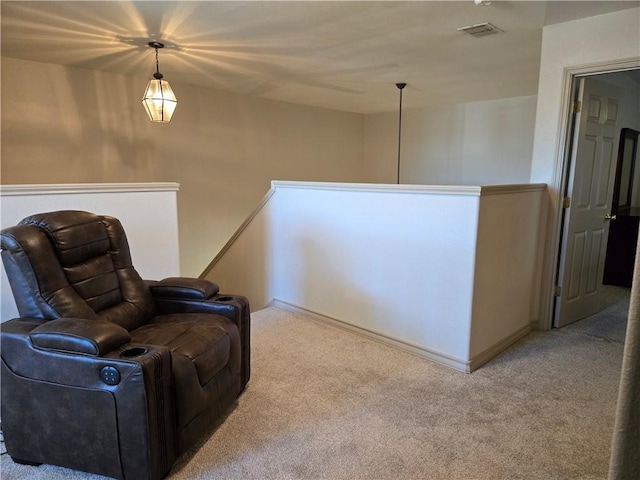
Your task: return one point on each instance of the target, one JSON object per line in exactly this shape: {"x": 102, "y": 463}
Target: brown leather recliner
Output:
{"x": 105, "y": 372}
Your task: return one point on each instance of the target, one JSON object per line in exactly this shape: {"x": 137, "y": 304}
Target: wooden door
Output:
{"x": 588, "y": 208}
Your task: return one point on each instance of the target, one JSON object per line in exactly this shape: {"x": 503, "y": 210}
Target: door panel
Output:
{"x": 579, "y": 240}
{"x": 593, "y": 279}
{"x": 590, "y": 187}
{"x": 582, "y": 188}
{"x": 605, "y": 189}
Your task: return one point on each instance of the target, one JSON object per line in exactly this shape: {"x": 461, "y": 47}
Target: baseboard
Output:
{"x": 440, "y": 358}
{"x": 498, "y": 347}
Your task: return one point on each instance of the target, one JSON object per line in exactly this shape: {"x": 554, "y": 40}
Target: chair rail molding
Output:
{"x": 83, "y": 188}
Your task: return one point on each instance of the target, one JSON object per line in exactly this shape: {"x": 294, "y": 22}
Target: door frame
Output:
{"x": 558, "y": 187}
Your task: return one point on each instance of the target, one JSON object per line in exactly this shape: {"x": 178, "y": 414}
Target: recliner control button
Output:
{"x": 110, "y": 375}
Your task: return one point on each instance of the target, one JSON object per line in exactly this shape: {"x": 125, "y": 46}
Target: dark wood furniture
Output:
{"x": 621, "y": 249}
{"x": 625, "y": 219}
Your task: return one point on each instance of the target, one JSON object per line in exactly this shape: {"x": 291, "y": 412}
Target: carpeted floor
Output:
{"x": 324, "y": 403}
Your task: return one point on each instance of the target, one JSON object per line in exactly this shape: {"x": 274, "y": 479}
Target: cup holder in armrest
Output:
{"x": 224, "y": 298}
{"x": 133, "y": 352}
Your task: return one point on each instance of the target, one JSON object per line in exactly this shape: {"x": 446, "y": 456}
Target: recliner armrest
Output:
{"x": 233, "y": 307}
{"x": 76, "y": 335}
{"x": 184, "y": 288}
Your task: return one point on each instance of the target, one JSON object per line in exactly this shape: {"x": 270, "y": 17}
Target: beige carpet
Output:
{"x": 324, "y": 403}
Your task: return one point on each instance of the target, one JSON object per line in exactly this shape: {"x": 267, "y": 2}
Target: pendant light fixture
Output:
{"x": 159, "y": 100}
{"x": 400, "y": 87}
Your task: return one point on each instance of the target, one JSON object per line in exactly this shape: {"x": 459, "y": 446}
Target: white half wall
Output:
{"x": 410, "y": 265}
{"x": 147, "y": 211}
{"x": 506, "y": 289}
{"x": 398, "y": 263}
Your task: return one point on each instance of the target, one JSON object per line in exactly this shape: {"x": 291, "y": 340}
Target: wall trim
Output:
{"x": 620, "y": 65}
{"x": 499, "y": 347}
{"x": 75, "y": 188}
{"x": 465, "y": 190}
{"x": 508, "y": 189}
{"x": 473, "y": 191}
{"x": 437, "y": 357}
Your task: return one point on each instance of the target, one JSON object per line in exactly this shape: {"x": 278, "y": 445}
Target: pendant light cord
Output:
{"x": 158, "y": 75}
{"x": 157, "y": 45}
{"x": 400, "y": 87}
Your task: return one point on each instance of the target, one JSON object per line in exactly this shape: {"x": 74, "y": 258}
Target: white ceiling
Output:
{"x": 343, "y": 55}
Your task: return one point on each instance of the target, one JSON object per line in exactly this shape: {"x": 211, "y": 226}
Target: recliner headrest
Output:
{"x": 77, "y": 236}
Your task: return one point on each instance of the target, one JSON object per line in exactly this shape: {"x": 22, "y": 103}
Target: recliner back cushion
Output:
{"x": 94, "y": 255}
{"x": 96, "y": 282}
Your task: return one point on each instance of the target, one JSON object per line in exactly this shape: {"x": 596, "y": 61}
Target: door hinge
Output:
{"x": 557, "y": 291}
{"x": 577, "y": 106}
{"x": 566, "y": 202}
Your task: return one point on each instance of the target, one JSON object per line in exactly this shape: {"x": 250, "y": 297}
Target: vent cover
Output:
{"x": 480, "y": 29}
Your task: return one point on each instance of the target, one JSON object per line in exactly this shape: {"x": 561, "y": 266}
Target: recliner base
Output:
{"x": 25, "y": 462}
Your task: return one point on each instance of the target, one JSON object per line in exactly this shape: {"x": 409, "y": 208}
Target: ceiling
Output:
{"x": 343, "y": 55}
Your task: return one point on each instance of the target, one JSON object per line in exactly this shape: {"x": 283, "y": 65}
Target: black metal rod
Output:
{"x": 400, "y": 87}
{"x": 157, "y": 45}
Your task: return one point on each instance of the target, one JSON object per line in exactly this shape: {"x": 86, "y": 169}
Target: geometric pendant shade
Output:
{"x": 159, "y": 100}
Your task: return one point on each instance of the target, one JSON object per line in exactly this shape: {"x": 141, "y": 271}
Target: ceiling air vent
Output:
{"x": 480, "y": 29}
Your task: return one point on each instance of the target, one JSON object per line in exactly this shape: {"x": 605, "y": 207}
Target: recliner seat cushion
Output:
{"x": 206, "y": 344}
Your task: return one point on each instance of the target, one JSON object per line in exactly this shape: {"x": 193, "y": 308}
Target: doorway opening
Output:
{"x": 591, "y": 236}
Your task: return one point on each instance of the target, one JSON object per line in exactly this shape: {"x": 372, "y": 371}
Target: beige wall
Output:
{"x": 479, "y": 143}
{"x": 70, "y": 125}
{"x": 612, "y": 41}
